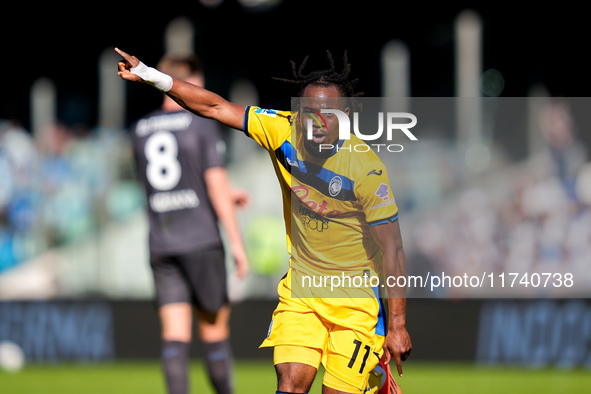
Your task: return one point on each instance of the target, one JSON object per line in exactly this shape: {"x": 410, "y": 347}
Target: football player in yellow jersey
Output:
{"x": 321, "y": 192}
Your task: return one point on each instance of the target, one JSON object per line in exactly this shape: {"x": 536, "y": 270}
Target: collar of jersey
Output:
{"x": 337, "y": 147}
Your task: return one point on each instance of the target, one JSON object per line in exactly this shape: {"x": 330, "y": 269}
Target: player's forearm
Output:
{"x": 397, "y": 313}
{"x": 229, "y": 222}
{"x": 395, "y": 267}
{"x": 226, "y": 213}
{"x": 196, "y": 99}
{"x": 220, "y": 195}
{"x": 207, "y": 104}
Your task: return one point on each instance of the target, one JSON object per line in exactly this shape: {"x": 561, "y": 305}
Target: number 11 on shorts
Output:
{"x": 356, "y": 353}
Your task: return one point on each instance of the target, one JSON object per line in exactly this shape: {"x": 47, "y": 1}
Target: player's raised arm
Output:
{"x": 193, "y": 98}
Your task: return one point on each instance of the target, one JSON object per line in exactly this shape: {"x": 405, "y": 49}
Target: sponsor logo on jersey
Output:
{"x": 269, "y": 112}
{"x": 383, "y": 192}
{"x": 374, "y": 172}
{"x": 384, "y": 204}
{"x": 312, "y": 220}
{"x": 302, "y": 192}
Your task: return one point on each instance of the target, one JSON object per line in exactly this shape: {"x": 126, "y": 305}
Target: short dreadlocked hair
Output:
{"x": 324, "y": 78}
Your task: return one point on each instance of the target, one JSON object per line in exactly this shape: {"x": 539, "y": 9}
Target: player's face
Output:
{"x": 325, "y": 126}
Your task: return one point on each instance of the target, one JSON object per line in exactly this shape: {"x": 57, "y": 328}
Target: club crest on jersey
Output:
{"x": 383, "y": 192}
{"x": 335, "y": 186}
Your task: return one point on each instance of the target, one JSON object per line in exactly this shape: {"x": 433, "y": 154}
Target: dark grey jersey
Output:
{"x": 172, "y": 151}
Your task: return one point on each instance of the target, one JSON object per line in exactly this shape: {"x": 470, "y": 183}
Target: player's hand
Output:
{"x": 241, "y": 198}
{"x": 242, "y": 264}
{"x": 126, "y": 65}
{"x": 397, "y": 347}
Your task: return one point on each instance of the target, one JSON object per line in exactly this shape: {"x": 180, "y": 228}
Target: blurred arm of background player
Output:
{"x": 225, "y": 200}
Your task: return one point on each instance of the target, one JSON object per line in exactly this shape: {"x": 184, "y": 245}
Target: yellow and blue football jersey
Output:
{"x": 329, "y": 203}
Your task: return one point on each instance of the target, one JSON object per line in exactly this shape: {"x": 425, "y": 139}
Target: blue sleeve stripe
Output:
{"x": 381, "y": 324}
{"x": 384, "y": 221}
{"x": 245, "y": 121}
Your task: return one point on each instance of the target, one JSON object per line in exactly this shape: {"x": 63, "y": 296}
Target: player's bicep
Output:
{"x": 388, "y": 236}
{"x": 230, "y": 114}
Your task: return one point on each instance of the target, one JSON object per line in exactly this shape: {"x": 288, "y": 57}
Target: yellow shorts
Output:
{"x": 344, "y": 334}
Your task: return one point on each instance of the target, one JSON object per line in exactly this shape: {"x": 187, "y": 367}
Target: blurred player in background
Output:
{"x": 180, "y": 160}
{"x": 359, "y": 226}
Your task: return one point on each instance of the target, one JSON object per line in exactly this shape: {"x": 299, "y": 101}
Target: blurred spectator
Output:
{"x": 559, "y": 130}
{"x": 19, "y": 198}
{"x": 54, "y": 190}
{"x": 536, "y": 227}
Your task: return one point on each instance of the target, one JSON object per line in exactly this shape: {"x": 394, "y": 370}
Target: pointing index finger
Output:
{"x": 131, "y": 61}
{"x": 398, "y": 364}
{"x": 123, "y": 54}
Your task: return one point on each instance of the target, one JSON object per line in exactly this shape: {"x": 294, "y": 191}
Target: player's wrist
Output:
{"x": 397, "y": 323}
{"x": 153, "y": 77}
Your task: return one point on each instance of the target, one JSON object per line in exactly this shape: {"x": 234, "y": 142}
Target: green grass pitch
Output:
{"x": 259, "y": 377}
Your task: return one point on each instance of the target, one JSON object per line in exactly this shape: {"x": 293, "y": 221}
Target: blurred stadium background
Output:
{"x": 75, "y": 286}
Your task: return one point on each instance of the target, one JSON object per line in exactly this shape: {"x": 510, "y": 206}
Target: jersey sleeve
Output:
{"x": 373, "y": 191}
{"x": 268, "y": 127}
